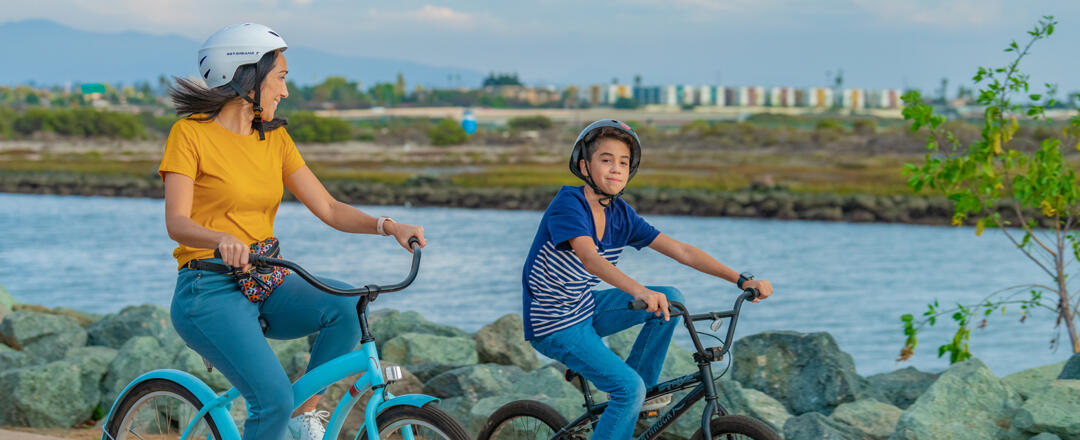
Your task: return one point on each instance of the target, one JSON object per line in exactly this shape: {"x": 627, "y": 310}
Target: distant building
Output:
{"x": 596, "y": 96}
{"x": 888, "y": 98}
{"x": 781, "y": 97}
{"x": 647, "y": 95}
{"x": 819, "y": 97}
{"x": 854, "y": 99}
{"x": 752, "y": 96}
{"x": 616, "y": 91}
{"x": 712, "y": 96}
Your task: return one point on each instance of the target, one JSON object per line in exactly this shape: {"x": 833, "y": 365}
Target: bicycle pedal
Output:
{"x": 649, "y": 414}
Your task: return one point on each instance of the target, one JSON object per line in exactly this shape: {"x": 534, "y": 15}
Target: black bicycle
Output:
{"x": 529, "y": 419}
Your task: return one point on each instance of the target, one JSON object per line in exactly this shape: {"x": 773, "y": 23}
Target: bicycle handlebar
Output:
{"x": 679, "y": 309}
{"x": 370, "y": 289}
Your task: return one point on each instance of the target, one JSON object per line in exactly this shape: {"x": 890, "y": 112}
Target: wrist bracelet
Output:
{"x": 379, "y": 225}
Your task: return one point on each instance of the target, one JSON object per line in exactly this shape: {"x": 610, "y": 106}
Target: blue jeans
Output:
{"x": 581, "y": 348}
{"x": 219, "y": 323}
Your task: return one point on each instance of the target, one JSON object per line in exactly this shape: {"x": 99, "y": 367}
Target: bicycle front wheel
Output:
{"x": 737, "y": 428}
{"x": 523, "y": 420}
{"x": 426, "y": 422}
{"x": 159, "y": 409}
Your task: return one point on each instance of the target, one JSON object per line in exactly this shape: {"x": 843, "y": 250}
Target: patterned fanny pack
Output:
{"x": 258, "y": 283}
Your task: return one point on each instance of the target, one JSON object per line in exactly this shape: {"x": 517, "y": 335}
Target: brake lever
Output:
{"x": 717, "y": 322}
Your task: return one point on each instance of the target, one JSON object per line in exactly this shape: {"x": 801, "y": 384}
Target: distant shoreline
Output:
{"x": 766, "y": 203}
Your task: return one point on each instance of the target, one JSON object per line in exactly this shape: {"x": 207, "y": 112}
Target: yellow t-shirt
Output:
{"x": 238, "y": 179}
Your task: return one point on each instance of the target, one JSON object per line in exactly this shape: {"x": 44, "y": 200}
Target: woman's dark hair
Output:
{"x": 191, "y": 98}
{"x": 607, "y": 133}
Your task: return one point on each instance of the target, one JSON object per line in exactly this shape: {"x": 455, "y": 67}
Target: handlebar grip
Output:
{"x": 754, "y": 293}
{"x": 217, "y": 253}
{"x": 637, "y": 304}
{"x": 413, "y": 242}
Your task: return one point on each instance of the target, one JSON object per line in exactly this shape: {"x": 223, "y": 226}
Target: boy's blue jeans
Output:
{"x": 581, "y": 348}
{"x": 219, "y": 323}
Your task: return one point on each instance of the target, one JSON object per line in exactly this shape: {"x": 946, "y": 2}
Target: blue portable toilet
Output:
{"x": 468, "y": 122}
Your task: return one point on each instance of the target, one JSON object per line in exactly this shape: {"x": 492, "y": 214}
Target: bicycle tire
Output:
{"x": 128, "y": 410}
{"x": 727, "y": 427}
{"x": 512, "y": 421}
{"x": 436, "y": 423}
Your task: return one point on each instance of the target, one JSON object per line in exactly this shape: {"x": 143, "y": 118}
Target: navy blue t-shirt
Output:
{"x": 557, "y": 288}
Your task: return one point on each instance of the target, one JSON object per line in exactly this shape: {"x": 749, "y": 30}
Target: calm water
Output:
{"x": 852, "y": 280}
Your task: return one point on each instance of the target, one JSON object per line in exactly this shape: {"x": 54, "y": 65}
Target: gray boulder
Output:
{"x": 427, "y": 370}
{"x": 84, "y": 319}
{"x": 6, "y": 300}
{"x": 137, "y": 356}
{"x": 677, "y": 361}
{"x": 736, "y": 400}
{"x": 54, "y": 395}
{"x": 146, "y": 320}
{"x": 807, "y": 372}
{"x": 1071, "y": 370}
{"x": 816, "y": 426}
{"x": 474, "y": 381}
{"x": 293, "y": 354}
{"x": 417, "y": 348}
{"x": 43, "y": 336}
{"x": 1054, "y": 409}
{"x": 407, "y": 385}
{"x": 503, "y": 342}
{"x": 11, "y": 359}
{"x": 1029, "y": 381}
{"x": 6, "y": 303}
{"x": 387, "y": 324}
{"x": 903, "y": 386}
{"x": 966, "y": 402}
{"x": 545, "y": 384}
{"x": 874, "y": 419}
{"x": 186, "y": 359}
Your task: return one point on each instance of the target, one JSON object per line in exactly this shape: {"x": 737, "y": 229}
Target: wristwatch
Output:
{"x": 744, "y": 277}
{"x": 379, "y": 225}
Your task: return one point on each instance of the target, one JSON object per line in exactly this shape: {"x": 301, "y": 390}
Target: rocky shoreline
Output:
{"x": 776, "y": 203}
{"x": 60, "y": 367}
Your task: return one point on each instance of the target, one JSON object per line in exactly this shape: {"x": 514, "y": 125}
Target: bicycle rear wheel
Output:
{"x": 159, "y": 409}
{"x": 522, "y": 420}
{"x": 737, "y": 428}
{"x": 427, "y": 423}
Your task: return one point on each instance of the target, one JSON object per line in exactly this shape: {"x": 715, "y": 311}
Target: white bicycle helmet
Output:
{"x": 234, "y": 46}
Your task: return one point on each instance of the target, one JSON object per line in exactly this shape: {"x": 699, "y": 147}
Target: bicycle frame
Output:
{"x": 703, "y": 379}
{"x": 365, "y": 360}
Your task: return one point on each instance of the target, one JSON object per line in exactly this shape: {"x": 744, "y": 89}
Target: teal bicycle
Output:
{"x": 173, "y": 404}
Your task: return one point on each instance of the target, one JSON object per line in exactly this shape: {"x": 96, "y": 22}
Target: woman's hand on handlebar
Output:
{"x": 234, "y": 252}
{"x": 402, "y": 232}
{"x": 764, "y": 288}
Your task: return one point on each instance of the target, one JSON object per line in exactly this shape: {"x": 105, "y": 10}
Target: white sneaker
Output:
{"x": 309, "y": 426}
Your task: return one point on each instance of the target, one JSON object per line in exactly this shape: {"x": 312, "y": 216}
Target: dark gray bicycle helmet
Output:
{"x": 588, "y": 136}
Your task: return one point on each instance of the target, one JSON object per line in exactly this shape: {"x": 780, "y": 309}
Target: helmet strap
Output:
{"x": 257, "y": 122}
{"x": 605, "y": 198}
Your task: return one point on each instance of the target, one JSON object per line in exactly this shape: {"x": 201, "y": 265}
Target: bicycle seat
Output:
{"x": 262, "y": 323}
{"x": 570, "y": 375}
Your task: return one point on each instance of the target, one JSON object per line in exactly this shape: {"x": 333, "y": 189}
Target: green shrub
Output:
{"x": 447, "y": 132}
{"x": 829, "y": 125}
{"x": 537, "y": 122}
{"x": 864, "y": 126}
{"x": 306, "y": 127}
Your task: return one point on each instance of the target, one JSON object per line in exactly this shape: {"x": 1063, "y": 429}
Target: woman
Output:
{"x": 224, "y": 167}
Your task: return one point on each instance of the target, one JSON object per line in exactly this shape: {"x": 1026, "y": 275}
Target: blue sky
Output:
{"x": 877, "y": 43}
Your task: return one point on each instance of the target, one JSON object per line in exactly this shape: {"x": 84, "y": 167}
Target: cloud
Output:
{"x": 302, "y": 2}
{"x": 947, "y": 14}
{"x": 447, "y": 16}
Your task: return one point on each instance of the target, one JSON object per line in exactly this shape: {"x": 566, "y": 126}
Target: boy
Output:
{"x": 577, "y": 245}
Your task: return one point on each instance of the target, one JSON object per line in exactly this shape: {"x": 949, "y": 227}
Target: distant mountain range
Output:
{"x": 44, "y": 52}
